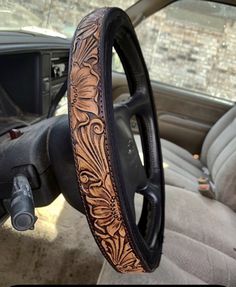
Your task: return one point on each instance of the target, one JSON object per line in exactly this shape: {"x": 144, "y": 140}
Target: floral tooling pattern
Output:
{"x": 89, "y": 142}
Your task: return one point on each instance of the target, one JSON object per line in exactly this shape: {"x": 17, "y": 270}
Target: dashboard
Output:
{"x": 33, "y": 69}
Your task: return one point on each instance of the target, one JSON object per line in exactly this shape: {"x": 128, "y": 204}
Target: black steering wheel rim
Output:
{"x": 111, "y": 175}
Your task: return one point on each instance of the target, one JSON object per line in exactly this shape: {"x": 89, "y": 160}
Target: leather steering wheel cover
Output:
{"x": 91, "y": 145}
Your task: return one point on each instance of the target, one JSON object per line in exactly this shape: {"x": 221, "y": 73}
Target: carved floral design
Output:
{"x": 84, "y": 93}
{"x": 105, "y": 209}
{"x": 87, "y": 128}
{"x": 122, "y": 257}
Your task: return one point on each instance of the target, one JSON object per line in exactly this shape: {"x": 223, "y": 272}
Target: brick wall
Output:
{"x": 189, "y": 54}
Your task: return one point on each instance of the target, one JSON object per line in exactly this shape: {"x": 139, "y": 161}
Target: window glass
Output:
{"x": 192, "y": 44}
{"x": 53, "y": 17}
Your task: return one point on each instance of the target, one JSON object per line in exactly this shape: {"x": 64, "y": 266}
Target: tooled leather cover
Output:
{"x": 91, "y": 151}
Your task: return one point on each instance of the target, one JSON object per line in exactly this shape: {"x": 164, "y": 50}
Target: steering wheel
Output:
{"x": 108, "y": 166}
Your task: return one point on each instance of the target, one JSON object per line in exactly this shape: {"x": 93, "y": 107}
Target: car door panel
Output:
{"x": 187, "y": 133}
{"x": 185, "y": 117}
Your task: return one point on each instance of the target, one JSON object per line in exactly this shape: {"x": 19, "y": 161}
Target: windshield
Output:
{"x": 52, "y": 17}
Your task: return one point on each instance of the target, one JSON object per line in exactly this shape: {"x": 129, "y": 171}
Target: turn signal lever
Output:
{"x": 40, "y": 160}
{"x": 22, "y": 204}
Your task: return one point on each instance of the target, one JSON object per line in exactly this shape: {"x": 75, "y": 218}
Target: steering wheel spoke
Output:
{"x": 131, "y": 165}
{"x": 138, "y": 103}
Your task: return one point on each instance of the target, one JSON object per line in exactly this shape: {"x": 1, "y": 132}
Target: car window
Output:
{"x": 191, "y": 44}
{"x": 52, "y": 17}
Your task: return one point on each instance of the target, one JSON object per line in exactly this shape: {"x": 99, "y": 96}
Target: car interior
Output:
{"x": 182, "y": 126}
